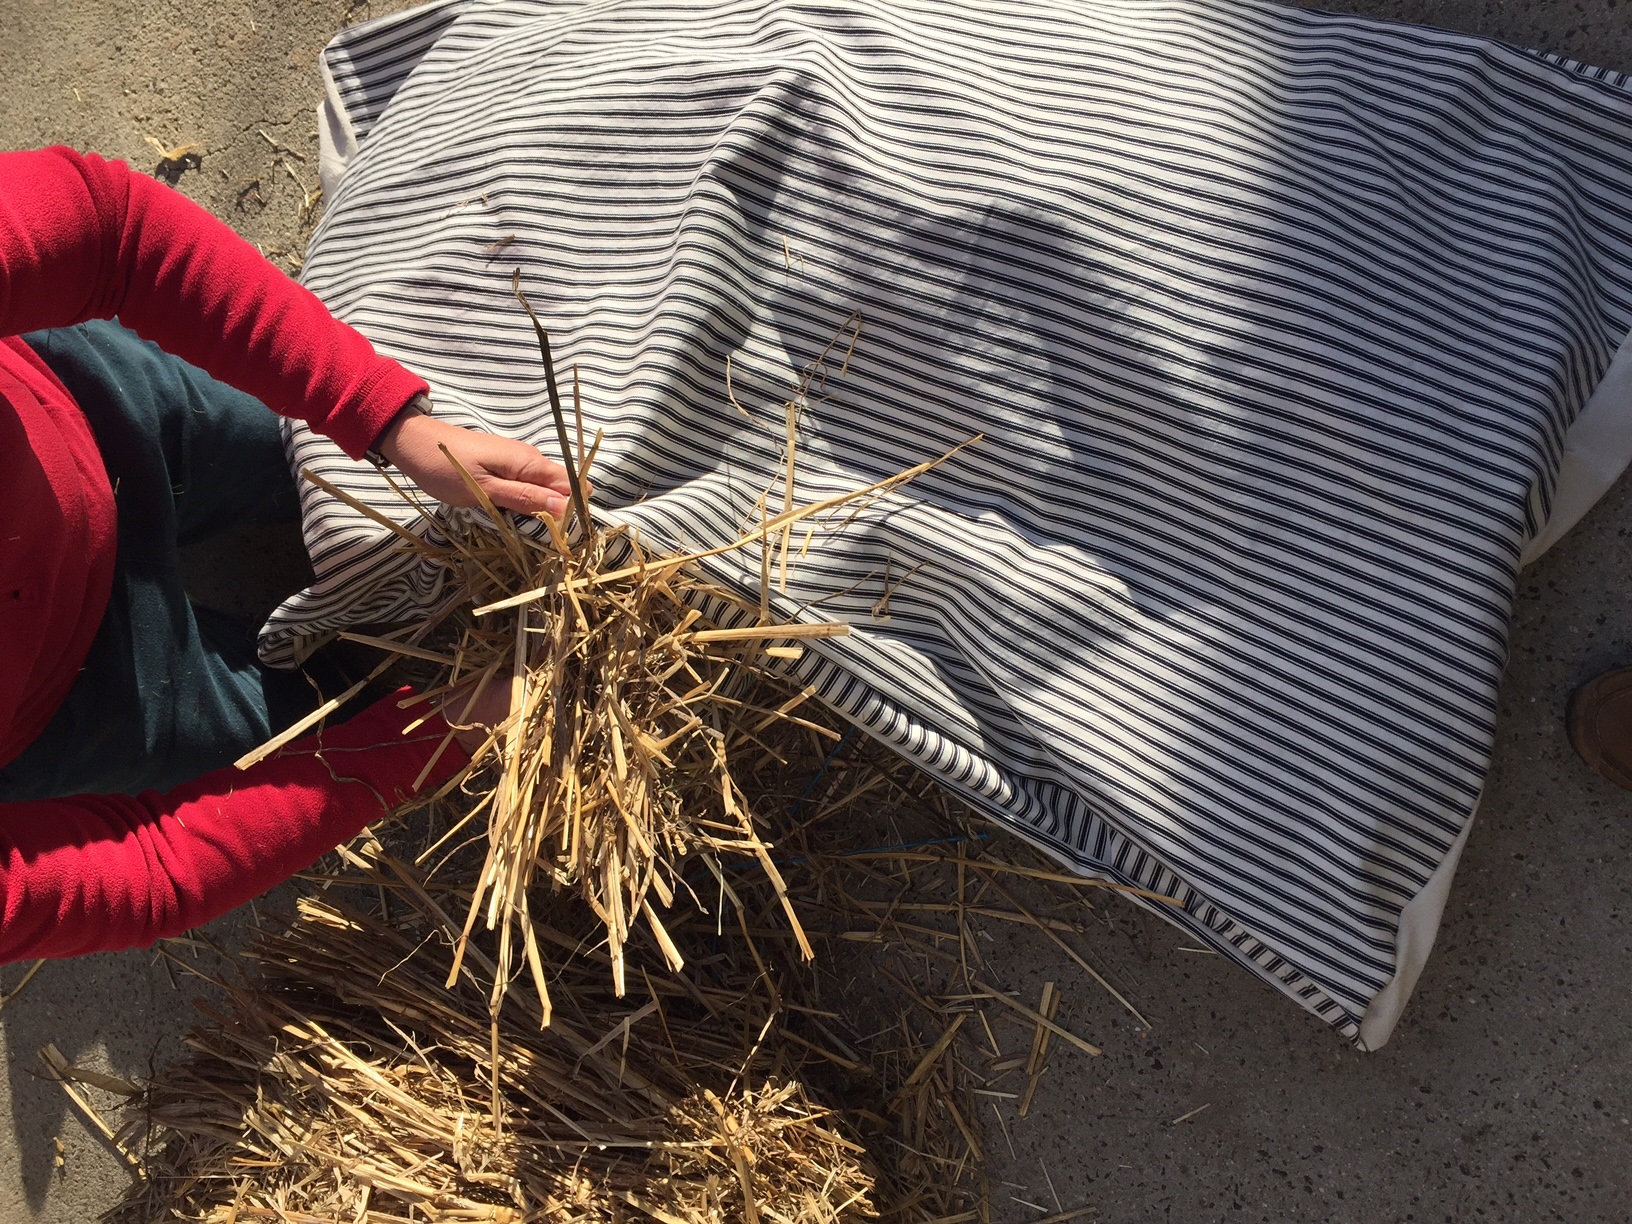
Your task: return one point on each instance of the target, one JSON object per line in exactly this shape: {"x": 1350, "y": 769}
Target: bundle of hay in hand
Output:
{"x": 630, "y": 680}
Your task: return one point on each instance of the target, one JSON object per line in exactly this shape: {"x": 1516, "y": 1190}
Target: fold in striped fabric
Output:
{"x": 1272, "y": 322}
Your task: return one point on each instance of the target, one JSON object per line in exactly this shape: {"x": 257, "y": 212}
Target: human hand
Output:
{"x": 473, "y": 721}
{"x": 511, "y": 473}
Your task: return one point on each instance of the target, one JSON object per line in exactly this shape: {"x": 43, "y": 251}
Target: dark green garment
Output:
{"x": 170, "y": 690}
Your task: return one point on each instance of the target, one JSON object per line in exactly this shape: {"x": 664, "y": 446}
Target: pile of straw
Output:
{"x": 345, "y": 1083}
{"x": 683, "y": 852}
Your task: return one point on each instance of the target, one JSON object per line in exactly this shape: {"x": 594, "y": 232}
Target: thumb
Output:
{"x": 525, "y": 498}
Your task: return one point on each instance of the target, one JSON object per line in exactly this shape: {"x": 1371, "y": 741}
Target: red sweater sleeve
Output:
{"x": 84, "y": 238}
{"x": 97, "y": 873}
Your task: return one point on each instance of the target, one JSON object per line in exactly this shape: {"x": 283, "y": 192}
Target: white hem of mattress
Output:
{"x": 336, "y": 138}
{"x": 1597, "y": 449}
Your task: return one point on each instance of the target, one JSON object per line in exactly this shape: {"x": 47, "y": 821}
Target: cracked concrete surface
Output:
{"x": 1504, "y": 1095}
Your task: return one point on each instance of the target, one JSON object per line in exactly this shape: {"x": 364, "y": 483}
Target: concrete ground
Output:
{"x": 1506, "y": 1094}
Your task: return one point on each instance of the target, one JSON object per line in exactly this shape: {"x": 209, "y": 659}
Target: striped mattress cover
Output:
{"x": 1281, "y": 328}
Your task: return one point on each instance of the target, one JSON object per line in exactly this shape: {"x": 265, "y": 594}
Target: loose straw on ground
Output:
{"x": 345, "y": 1082}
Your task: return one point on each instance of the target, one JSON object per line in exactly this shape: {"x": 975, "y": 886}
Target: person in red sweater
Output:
{"x": 122, "y": 704}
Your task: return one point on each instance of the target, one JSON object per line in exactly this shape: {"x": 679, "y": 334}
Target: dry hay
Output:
{"x": 631, "y": 680}
{"x": 344, "y": 1084}
{"x": 386, "y": 1062}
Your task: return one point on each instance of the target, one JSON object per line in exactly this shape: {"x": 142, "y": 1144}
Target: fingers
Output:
{"x": 475, "y": 713}
{"x": 516, "y": 461}
{"x": 514, "y": 475}
{"x": 522, "y": 478}
{"x": 525, "y": 498}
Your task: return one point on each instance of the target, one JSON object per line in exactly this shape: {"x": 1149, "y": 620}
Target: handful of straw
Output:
{"x": 631, "y": 679}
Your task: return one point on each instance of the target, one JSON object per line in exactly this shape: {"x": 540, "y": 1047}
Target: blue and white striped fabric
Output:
{"x": 1274, "y": 323}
